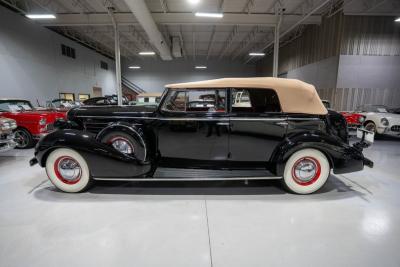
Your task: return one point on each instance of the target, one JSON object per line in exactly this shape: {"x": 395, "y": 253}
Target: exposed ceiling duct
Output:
{"x": 143, "y": 16}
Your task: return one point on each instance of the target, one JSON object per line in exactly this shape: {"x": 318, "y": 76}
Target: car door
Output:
{"x": 257, "y": 124}
{"x": 194, "y": 125}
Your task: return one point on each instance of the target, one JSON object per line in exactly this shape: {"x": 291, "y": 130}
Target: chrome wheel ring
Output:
{"x": 67, "y": 170}
{"x": 122, "y": 144}
{"x": 306, "y": 171}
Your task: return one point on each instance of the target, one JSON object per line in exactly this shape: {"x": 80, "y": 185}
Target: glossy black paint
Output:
{"x": 221, "y": 140}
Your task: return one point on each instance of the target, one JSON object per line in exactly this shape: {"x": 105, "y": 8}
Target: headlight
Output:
{"x": 5, "y": 126}
{"x": 361, "y": 119}
{"x": 385, "y": 122}
{"x": 42, "y": 121}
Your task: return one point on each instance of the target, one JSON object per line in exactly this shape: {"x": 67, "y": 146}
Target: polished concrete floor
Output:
{"x": 353, "y": 221}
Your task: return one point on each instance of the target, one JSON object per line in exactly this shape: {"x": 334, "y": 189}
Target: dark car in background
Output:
{"x": 105, "y": 101}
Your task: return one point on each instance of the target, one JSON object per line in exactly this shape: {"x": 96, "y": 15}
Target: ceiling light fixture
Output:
{"x": 135, "y": 67}
{"x": 147, "y": 53}
{"x": 397, "y": 20}
{"x": 256, "y": 54}
{"x": 193, "y": 2}
{"x": 209, "y": 15}
{"x": 40, "y": 16}
{"x": 201, "y": 67}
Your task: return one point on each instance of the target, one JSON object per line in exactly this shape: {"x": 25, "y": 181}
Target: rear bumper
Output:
{"x": 351, "y": 160}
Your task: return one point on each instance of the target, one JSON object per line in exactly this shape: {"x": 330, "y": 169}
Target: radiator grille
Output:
{"x": 395, "y": 128}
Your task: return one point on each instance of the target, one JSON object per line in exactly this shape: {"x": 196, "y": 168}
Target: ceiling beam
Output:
{"x": 101, "y": 19}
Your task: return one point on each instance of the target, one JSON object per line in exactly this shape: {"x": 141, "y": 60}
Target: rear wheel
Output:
{"x": 68, "y": 170}
{"x": 306, "y": 171}
{"x": 23, "y": 138}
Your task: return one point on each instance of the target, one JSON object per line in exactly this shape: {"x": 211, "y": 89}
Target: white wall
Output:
{"x": 154, "y": 74}
{"x": 32, "y": 67}
{"x": 322, "y": 74}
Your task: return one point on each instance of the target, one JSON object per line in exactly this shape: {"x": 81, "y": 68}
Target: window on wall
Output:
{"x": 68, "y": 96}
{"x": 83, "y": 97}
{"x": 207, "y": 100}
{"x": 67, "y": 51}
{"x": 255, "y": 101}
{"x": 103, "y": 65}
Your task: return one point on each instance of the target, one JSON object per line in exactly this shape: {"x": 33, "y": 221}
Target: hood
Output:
{"x": 392, "y": 117}
{"x": 117, "y": 111}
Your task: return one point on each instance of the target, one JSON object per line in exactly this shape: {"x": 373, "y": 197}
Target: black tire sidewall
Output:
{"x": 29, "y": 136}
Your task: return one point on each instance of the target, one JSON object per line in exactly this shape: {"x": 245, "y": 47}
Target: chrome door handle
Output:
{"x": 223, "y": 123}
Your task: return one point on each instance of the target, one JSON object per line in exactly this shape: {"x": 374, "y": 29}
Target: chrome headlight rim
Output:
{"x": 385, "y": 122}
{"x": 42, "y": 121}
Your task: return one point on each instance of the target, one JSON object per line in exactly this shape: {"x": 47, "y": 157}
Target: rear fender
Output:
{"x": 342, "y": 157}
{"x": 103, "y": 160}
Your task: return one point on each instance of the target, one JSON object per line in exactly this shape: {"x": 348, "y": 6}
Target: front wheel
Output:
{"x": 23, "y": 138}
{"x": 68, "y": 170}
{"x": 306, "y": 171}
{"x": 370, "y": 126}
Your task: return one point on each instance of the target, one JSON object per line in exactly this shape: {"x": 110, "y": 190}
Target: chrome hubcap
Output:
{"x": 122, "y": 145}
{"x": 305, "y": 170}
{"x": 68, "y": 170}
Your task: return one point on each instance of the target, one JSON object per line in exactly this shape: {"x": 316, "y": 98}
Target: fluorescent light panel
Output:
{"x": 193, "y": 2}
{"x": 256, "y": 54}
{"x": 397, "y": 20}
{"x": 135, "y": 67}
{"x": 209, "y": 15}
{"x": 147, "y": 53}
{"x": 201, "y": 67}
{"x": 40, "y": 16}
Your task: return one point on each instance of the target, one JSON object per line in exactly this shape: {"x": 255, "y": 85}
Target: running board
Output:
{"x": 178, "y": 174}
{"x": 189, "y": 179}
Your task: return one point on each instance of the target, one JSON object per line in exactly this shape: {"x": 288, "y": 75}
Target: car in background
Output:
{"x": 354, "y": 120}
{"x": 105, "y": 101}
{"x": 6, "y": 134}
{"x": 146, "y": 99}
{"x": 380, "y": 119}
{"x": 32, "y": 123}
{"x": 61, "y": 104}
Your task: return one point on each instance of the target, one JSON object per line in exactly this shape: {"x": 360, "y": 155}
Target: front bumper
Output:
{"x": 7, "y": 143}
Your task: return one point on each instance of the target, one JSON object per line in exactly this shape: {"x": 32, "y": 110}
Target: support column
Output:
{"x": 276, "y": 44}
{"x": 118, "y": 86}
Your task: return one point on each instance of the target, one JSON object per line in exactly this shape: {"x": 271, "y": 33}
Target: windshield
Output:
{"x": 15, "y": 105}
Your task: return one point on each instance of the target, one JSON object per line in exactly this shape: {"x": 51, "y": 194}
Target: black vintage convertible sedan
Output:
{"x": 279, "y": 125}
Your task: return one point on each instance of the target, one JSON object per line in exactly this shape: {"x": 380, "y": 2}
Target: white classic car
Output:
{"x": 380, "y": 120}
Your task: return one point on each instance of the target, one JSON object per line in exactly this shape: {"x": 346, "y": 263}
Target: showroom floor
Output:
{"x": 354, "y": 221}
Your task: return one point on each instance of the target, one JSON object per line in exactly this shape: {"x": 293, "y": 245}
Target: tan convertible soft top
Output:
{"x": 295, "y": 96}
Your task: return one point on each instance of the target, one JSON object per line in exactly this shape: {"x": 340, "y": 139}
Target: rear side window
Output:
{"x": 255, "y": 101}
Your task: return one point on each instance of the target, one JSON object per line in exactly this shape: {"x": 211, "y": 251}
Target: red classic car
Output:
{"x": 354, "y": 120}
{"x": 32, "y": 124}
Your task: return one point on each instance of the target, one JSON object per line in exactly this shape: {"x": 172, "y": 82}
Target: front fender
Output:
{"x": 342, "y": 157}
{"x": 104, "y": 161}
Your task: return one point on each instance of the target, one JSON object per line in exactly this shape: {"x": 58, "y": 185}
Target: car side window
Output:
{"x": 255, "y": 101}
{"x": 201, "y": 100}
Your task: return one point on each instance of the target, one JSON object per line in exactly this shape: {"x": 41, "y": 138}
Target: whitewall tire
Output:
{"x": 68, "y": 170}
{"x": 306, "y": 171}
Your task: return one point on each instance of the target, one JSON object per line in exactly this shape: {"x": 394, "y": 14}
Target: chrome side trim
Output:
{"x": 190, "y": 179}
{"x": 303, "y": 119}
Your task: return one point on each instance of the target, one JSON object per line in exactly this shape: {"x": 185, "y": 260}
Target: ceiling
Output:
{"x": 247, "y": 24}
